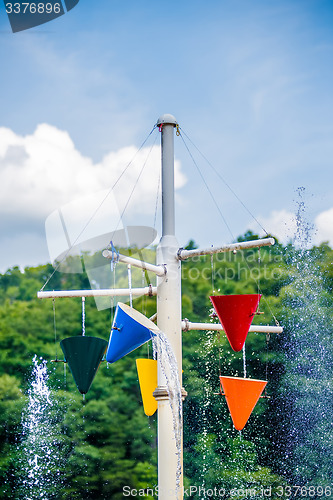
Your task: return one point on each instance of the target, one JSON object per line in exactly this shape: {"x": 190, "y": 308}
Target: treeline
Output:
{"x": 106, "y": 442}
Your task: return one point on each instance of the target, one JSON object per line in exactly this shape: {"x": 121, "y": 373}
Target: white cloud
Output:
{"x": 43, "y": 175}
{"x": 280, "y": 223}
{"x": 324, "y": 225}
{"x": 44, "y": 171}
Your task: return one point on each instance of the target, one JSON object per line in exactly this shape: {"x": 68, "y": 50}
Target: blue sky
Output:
{"x": 249, "y": 82}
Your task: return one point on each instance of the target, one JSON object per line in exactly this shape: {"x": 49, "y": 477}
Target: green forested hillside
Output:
{"x": 107, "y": 442}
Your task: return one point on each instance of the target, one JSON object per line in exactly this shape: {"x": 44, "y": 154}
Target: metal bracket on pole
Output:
{"x": 161, "y": 394}
{"x": 242, "y": 245}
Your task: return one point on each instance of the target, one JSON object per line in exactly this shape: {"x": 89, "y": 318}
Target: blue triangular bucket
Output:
{"x": 130, "y": 330}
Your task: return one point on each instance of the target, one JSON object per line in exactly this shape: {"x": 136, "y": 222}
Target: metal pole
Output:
{"x": 159, "y": 270}
{"x": 217, "y": 327}
{"x": 168, "y": 317}
{"x": 108, "y": 292}
{"x": 232, "y": 247}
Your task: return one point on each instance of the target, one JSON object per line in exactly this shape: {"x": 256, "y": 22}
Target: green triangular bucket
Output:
{"x": 83, "y": 355}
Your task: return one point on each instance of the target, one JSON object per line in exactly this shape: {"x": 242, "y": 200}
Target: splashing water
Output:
{"x": 39, "y": 455}
{"x": 205, "y": 441}
{"x": 308, "y": 347}
{"x": 166, "y": 357}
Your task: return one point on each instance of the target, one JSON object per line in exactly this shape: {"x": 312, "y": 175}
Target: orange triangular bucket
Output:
{"x": 242, "y": 395}
{"x": 235, "y": 313}
{"x": 147, "y": 372}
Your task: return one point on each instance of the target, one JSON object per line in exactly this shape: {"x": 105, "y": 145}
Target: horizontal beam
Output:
{"x": 158, "y": 270}
{"x": 148, "y": 290}
{"x": 242, "y": 245}
{"x": 216, "y": 327}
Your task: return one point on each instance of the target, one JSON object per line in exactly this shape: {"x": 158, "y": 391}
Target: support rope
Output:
{"x": 207, "y": 187}
{"x": 225, "y": 182}
{"x": 219, "y": 210}
{"x": 99, "y": 206}
{"x": 136, "y": 183}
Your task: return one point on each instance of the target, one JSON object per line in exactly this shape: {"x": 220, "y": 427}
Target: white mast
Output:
{"x": 168, "y": 317}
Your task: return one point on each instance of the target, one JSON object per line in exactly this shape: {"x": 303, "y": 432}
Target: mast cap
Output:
{"x": 167, "y": 119}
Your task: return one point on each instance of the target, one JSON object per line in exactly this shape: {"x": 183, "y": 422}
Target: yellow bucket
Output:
{"x": 147, "y": 372}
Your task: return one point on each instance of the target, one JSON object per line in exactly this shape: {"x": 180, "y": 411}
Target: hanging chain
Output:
{"x": 258, "y": 282}
{"x": 219, "y": 337}
{"x": 244, "y": 360}
{"x": 113, "y": 273}
{"x": 220, "y": 373}
{"x": 267, "y": 342}
{"x": 213, "y": 274}
{"x": 266, "y": 368}
{"x": 55, "y": 331}
{"x": 259, "y": 262}
{"x": 129, "y": 272}
{"x": 144, "y": 297}
{"x": 83, "y": 316}
{"x": 270, "y": 310}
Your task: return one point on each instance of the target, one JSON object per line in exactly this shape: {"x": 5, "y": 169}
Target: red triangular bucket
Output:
{"x": 241, "y": 395}
{"x": 236, "y": 313}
